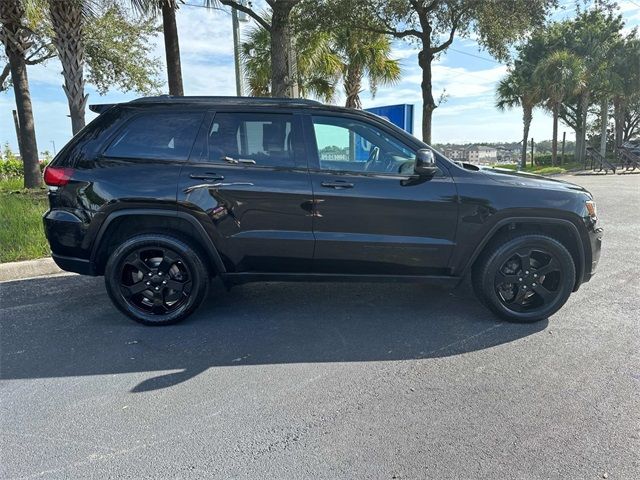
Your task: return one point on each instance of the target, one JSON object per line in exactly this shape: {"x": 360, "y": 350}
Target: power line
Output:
{"x": 476, "y": 56}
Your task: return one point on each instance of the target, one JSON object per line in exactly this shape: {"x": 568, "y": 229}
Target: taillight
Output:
{"x": 57, "y": 176}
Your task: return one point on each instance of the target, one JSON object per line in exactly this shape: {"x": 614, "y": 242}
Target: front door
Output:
{"x": 248, "y": 179}
{"x": 372, "y": 214}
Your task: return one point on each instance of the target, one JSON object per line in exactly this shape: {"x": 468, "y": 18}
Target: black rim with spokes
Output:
{"x": 529, "y": 280}
{"x": 155, "y": 280}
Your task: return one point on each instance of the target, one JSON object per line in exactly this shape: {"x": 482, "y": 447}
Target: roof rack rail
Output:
{"x": 223, "y": 99}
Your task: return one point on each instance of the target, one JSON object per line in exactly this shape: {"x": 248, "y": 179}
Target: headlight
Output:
{"x": 591, "y": 209}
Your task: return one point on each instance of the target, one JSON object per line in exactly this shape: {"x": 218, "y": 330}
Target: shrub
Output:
{"x": 11, "y": 169}
{"x": 545, "y": 159}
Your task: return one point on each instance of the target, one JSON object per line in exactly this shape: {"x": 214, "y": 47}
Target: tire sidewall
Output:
{"x": 502, "y": 253}
{"x": 198, "y": 272}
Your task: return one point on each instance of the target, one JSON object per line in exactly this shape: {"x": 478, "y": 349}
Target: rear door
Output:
{"x": 372, "y": 214}
{"x": 248, "y": 181}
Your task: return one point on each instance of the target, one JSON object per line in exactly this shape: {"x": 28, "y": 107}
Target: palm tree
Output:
{"x": 516, "y": 90}
{"x": 68, "y": 21}
{"x": 15, "y": 38}
{"x": 323, "y": 58}
{"x": 557, "y": 76}
{"x": 364, "y": 54}
{"x": 625, "y": 83}
{"x": 318, "y": 68}
{"x": 170, "y": 31}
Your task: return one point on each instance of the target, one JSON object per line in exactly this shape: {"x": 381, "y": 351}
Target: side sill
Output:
{"x": 249, "y": 277}
{"x": 74, "y": 264}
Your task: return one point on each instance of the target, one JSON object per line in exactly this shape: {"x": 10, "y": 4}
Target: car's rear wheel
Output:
{"x": 527, "y": 278}
{"x": 156, "y": 279}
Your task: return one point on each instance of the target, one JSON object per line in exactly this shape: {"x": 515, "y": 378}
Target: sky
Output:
{"x": 466, "y": 74}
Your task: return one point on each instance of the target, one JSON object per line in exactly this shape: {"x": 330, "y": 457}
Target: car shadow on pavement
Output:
{"x": 66, "y": 326}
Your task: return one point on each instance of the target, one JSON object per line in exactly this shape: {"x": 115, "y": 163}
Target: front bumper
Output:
{"x": 595, "y": 241}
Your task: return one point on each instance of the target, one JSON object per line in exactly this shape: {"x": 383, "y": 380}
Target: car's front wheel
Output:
{"x": 156, "y": 279}
{"x": 526, "y": 278}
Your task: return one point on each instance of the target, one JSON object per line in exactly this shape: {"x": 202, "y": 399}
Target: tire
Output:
{"x": 156, "y": 279}
{"x": 526, "y": 278}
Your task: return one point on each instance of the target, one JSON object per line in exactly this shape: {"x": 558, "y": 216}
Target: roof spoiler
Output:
{"x": 101, "y": 107}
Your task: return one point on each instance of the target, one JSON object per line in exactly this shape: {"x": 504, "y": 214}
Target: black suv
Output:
{"x": 161, "y": 194}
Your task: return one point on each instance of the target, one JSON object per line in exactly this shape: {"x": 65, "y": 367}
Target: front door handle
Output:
{"x": 337, "y": 184}
{"x": 206, "y": 176}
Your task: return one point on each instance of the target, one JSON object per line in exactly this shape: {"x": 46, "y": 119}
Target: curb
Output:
{"x": 28, "y": 269}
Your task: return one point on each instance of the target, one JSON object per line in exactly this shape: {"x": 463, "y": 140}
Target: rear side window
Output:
{"x": 161, "y": 136}
{"x": 263, "y": 139}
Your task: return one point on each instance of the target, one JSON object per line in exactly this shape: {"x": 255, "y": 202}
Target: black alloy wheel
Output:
{"x": 528, "y": 278}
{"x": 156, "y": 279}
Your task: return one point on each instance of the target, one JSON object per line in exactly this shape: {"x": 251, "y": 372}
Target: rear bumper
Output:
{"x": 73, "y": 264}
{"x": 65, "y": 232}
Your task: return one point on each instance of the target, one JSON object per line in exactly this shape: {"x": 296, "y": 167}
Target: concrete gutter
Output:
{"x": 28, "y": 269}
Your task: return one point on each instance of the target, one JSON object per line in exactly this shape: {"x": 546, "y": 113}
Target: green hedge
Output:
{"x": 545, "y": 159}
{"x": 14, "y": 169}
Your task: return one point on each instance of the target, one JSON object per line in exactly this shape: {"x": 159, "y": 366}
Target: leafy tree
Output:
{"x": 15, "y": 36}
{"x": 113, "y": 44}
{"x": 517, "y": 89}
{"x": 559, "y": 76}
{"x": 433, "y": 25}
{"x": 118, "y": 51}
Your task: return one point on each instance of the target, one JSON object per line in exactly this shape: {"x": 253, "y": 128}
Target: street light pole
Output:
{"x": 236, "y": 50}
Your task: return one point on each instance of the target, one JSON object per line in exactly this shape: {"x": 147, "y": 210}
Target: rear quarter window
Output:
{"x": 158, "y": 136}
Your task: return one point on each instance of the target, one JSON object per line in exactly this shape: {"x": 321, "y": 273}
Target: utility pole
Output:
{"x": 236, "y": 50}
{"x": 16, "y": 123}
{"x": 564, "y": 138}
{"x": 236, "y": 18}
{"x": 293, "y": 66}
{"x": 532, "y": 151}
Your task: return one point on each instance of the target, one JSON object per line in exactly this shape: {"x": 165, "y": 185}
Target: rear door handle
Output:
{"x": 337, "y": 184}
{"x": 206, "y": 176}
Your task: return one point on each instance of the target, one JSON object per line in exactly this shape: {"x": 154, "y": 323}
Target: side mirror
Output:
{"x": 425, "y": 163}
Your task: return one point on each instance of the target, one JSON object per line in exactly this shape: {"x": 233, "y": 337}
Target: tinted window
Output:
{"x": 252, "y": 138}
{"x": 162, "y": 136}
{"x": 345, "y": 144}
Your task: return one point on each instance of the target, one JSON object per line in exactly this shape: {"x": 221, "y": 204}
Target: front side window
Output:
{"x": 260, "y": 139}
{"x": 159, "y": 136}
{"x": 350, "y": 145}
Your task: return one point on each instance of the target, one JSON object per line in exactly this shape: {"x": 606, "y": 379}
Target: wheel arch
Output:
{"x": 123, "y": 224}
{"x": 563, "y": 230}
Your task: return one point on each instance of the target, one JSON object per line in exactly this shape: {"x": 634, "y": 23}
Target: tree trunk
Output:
{"x": 554, "y": 139}
{"x": 618, "y": 116}
{"x": 172, "y": 48}
{"x": 604, "y": 121}
{"x": 280, "y": 44}
{"x": 527, "y": 116}
{"x": 425, "y": 57}
{"x": 15, "y": 40}
{"x": 352, "y": 87}
{"x": 68, "y": 22}
{"x": 581, "y": 132}
{"x": 27, "y": 141}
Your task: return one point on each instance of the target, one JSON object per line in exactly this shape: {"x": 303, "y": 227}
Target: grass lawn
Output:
{"x": 543, "y": 170}
{"x": 21, "y": 231}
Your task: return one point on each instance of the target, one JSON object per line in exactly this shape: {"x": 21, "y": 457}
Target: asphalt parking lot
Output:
{"x": 306, "y": 380}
